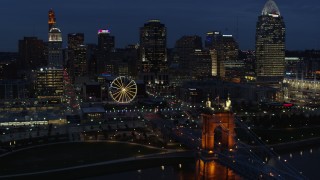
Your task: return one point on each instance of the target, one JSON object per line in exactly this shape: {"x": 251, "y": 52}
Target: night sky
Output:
{"x": 21, "y": 18}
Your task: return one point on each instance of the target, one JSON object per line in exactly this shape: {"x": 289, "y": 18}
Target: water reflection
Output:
{"x": 200, "y": 170}
{"x": 306, "y": 162}
{"x": 213, "y": 170}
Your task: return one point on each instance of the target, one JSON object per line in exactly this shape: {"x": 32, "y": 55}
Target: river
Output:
{"x": 306, "y": 161}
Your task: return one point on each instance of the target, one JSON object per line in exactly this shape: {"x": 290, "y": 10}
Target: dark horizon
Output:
{"x": 21, "y": 18}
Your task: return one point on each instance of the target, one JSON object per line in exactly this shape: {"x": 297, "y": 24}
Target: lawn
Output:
{"x": 68, "y": 155}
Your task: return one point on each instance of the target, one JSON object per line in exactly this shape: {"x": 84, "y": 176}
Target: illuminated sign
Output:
{"x": 274, "y": 15}
{"x": 104, "y": 31}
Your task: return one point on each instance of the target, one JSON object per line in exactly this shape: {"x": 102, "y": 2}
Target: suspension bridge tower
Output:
{"x": 218, "y": 133}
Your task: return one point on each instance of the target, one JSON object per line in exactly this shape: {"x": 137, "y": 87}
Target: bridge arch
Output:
{"x": 218, "y": 132}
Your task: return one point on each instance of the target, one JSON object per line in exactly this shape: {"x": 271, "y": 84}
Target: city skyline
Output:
{"x": 125, "y": 18}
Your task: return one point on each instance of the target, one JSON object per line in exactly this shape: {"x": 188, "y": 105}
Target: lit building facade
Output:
{"x": 75, "y": 40}
{"x": 270, "y": 44}
{"x": 49, "y": 83}
{"x": 200, "y": 64}
{"x": 223, "y": 48}
{"x": 153, "y": 52}
{"x": 80, "y": 64}
{"x": 301, "y": 91}
{"x": 55, "y": 55}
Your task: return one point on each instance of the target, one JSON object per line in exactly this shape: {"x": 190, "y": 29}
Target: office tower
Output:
{"x": 51, "y": 19}
{"x": 80, "y": 64}
{"x": 223, "y": 49}
{"x": 230, "y": 48}
{"x": 270, "y": 44}
{"x": 201, "y": 64}
{"x": 153, "y": 52}
{"x": 214, "y": 63}
{"x": 31, "y": 53}
{"x": 74, "y": 40}
{"x": 106, "y": 45}
{"x": 49, "y": 83}
{"x": 92, "y": 50}
{"x": 105, "y": 40}
{"x": 184, "y": 47}
{"x": 55, "y": 55}
{"x": 232, "y": 66}
{"x": 131, "y": 55}
{"x": 214, "y": 42}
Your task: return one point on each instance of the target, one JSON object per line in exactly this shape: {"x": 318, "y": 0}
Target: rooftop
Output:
{"x": 270, "y": 8}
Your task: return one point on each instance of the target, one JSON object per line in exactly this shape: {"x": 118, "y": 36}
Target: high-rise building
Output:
{"x": 270, "y": 44}
{"x": 49, "y": 83}
{"x": 153, "y": 52}
{"x": 75, "y": 40}
{"x": 230, "y": 48}
{"x": 55, "y": 55}
{"x": 184, "y": 47}
{"x": 106, "y": 45}
{"x": 31, "y": 53}
{"x": 80, "y": 64}
{"x": 201, "y": 64}
{"x": 51, "y": 19}
{"x": 105, "y": 40}
{"x": 214, "y": 42}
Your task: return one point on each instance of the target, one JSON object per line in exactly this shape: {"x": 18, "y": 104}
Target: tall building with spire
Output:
{"x": 49, "y": 82}
{"x": 270, "y": 44}
{"x": 51, "y": 19}
{"x": 55, "y": 56}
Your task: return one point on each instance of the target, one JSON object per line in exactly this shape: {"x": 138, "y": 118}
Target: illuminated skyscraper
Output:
{"x": 153, "y": 52}
{"x": 105, "y": 40}
{"x": 55, "y": 56}
{"x": 106, "y": 46}
{"x": 80, "y": 64}
{"x": 76, "y": 55}
{"x": 52, "y": 19}
{"x": 200, "y": 65}
{"x": 270, "y": 44}
{"x": 214, "y": 42}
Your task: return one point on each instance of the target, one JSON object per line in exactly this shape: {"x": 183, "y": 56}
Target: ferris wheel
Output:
{"x": 123, "y": 89}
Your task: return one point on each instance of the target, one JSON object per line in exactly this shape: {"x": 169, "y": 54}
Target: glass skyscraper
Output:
{"x": 270, "y": 44}
{"x": 153, "y": 52}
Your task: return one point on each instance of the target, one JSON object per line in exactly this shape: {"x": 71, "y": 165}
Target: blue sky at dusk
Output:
{"x": 21, "y": 18}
